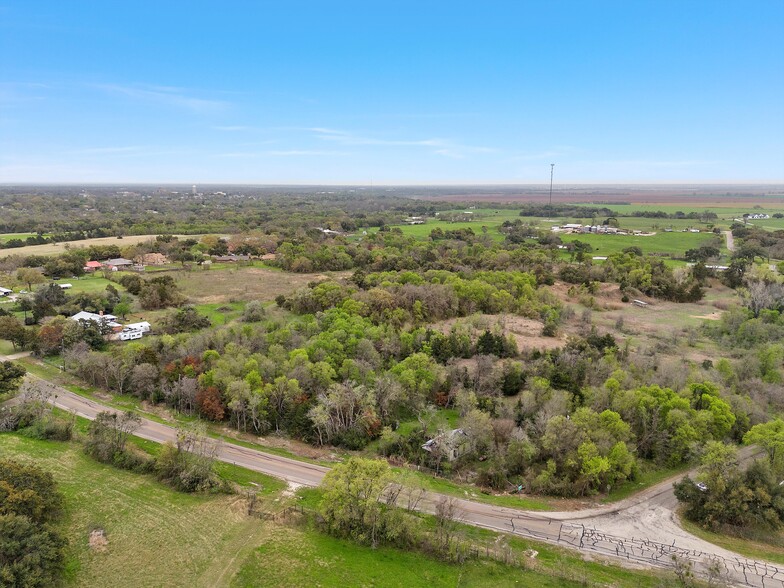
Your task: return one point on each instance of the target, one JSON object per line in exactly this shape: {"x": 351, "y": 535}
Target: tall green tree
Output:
{"x": 352, "y": 504}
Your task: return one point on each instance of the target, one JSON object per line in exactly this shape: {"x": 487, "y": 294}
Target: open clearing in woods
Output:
{"x": 243, "y": 283}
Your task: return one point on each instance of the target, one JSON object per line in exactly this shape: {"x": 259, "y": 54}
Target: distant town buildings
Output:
{"x": 596, "y": 229}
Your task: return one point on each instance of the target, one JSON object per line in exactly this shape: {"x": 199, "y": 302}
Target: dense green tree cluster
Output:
{"x": 32, "y": 549}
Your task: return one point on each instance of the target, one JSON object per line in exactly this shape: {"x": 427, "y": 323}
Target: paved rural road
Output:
{"x": 642, "y": 530}
{"x": 291, "y": 470}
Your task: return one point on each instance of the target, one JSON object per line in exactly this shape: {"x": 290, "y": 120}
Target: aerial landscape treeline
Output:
{"x": 502, "y": 346}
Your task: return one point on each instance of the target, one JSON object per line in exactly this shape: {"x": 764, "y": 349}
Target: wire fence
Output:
{"x": 740, "y": 571}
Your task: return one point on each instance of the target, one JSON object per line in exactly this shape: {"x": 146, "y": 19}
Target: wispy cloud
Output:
{"x": 282, "y": 153}
{"x": 104, "y": 150}
{"x": 438, "y": 146}
{"x": 166, "y": 95}
{"x": 653, "y": 162}
{"x": 129, "y": 151}
{"x": 548, "y": 154}
{"x": 21, "y": 92}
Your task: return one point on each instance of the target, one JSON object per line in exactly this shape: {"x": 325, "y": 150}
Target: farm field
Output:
{"x": 673, "y": 243}
{"x": 55, "y": 248}
{"x": 655, "y": 196}
{"x": 724, "y": 210}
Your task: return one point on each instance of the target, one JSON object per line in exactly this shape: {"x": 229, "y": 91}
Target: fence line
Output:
{"x": 742, "y": 571}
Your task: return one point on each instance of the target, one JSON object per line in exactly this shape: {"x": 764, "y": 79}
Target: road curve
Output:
{"x": 642, "y": 530}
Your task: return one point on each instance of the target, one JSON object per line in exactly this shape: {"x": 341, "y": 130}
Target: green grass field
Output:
{"x": 159, "y": 537}
{"x": 6, "y": 348}
{"x": 89, "y": 284}
{"x": 281, "y": 560}
{"x": 675, "y": 243}
{"x": 749, "y": 548}
{"x": 5, "y": 237}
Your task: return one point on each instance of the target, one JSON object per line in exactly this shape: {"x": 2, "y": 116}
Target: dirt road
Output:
{"x": 642, "y": 530}
{"x": 730, "y": 240}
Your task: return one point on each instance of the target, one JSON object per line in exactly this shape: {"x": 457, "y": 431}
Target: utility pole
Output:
{"x": 552, "y": 167}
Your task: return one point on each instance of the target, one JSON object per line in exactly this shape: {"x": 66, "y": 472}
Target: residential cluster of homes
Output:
{"x": 120, "y": 263}
{"x": 114, "y": 265}
{"x": 118, "y": 332}
{"x": 596, "y": 229}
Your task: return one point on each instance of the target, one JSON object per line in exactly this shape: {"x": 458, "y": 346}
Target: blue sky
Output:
{"x": 392, "y": 91}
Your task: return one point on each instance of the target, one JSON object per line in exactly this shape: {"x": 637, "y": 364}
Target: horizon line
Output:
{"x": 499, "y": 184}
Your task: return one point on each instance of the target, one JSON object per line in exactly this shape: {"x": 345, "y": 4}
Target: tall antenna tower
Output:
{"x": 552, "y": 167}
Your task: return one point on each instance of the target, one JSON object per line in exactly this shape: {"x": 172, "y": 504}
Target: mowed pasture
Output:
{"x": 156, "y": 536}
{"x": 57, "y": 248}
{"x": 88, "y": 283}
{"x": 242, "y": 283}
{"x": 674, "y": 244}
{"x": 489, "y": 221}
{"x": 5, "y": 237}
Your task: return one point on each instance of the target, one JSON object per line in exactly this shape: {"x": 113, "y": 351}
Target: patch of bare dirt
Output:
{"x": 244, "y": 283}
{"x": 713, "y": 316}
{"x": 527, "y": 333}
{"x": 98, "y": 541}
{"x": 298, "y": 448}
